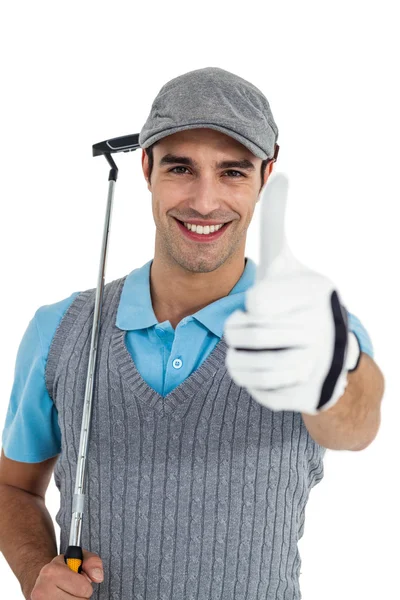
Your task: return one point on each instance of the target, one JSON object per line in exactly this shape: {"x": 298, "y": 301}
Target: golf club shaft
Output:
{"x": 74, "y": 556}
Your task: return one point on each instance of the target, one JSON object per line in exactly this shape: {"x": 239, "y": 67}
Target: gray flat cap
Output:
{"x": 215, "y": 99}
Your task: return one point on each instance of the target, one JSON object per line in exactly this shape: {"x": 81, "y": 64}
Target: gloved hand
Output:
{"x": 292, "y": 348}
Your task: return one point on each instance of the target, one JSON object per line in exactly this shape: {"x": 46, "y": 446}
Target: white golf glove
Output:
{"x": 292, "y": 348}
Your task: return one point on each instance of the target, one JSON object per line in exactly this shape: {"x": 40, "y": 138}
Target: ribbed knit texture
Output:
{"x": 198, "y": 495}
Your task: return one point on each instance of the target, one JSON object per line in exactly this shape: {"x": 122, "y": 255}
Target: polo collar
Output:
{"x": 135, "y": 310}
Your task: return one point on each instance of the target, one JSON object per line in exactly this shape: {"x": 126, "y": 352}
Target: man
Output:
{"x": 196, "y": 489}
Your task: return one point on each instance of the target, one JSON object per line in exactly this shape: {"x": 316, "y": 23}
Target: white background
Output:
{"x": 76, "y": 73}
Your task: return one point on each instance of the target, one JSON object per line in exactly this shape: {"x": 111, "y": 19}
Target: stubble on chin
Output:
{"x": 192, "y": 259}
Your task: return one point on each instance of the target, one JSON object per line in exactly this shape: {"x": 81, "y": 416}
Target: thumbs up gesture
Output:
{"x": 291, "y": 349}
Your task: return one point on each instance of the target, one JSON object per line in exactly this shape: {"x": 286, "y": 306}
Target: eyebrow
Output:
{"x": 172, "y": 159}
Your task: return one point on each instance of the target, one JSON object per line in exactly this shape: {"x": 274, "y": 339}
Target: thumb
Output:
{"x": 92, "y": 566}
{"x": 272, "y": 218}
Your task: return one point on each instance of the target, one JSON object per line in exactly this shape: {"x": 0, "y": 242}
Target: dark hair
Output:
{"x": 149, "y": 152}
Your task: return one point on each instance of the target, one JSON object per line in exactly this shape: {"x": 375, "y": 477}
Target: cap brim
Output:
{"x": 256, "y": 150}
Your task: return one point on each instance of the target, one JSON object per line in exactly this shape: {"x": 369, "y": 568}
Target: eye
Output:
{"x": 174, "y": 170}
{"x": 238, "y": 173}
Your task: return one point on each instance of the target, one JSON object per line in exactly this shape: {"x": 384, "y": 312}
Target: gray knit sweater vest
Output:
{"x": 197, "y": 495}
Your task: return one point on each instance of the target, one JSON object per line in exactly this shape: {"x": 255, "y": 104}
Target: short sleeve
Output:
{"x": 31, "y": 432}
{"x": 361, "y": 334}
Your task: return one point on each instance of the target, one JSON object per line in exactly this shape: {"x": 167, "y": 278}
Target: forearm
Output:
{"x": 27, "y": 536}
{"x": 353, "y": 422}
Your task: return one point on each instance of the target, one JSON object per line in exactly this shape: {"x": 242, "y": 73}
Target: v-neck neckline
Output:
{"x": 152, "y": 399}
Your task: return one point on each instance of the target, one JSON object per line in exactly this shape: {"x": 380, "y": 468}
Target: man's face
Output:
{"x": 202, "y": 177}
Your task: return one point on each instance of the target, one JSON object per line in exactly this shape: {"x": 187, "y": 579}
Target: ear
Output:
{"x": 145, "y": 167}
{"x": 267, "y": 173}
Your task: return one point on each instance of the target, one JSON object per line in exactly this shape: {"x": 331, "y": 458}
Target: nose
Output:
{"x": 204, "y": 195}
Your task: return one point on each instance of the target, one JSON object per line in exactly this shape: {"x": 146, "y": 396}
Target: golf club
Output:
{"x": 74, "y": 556}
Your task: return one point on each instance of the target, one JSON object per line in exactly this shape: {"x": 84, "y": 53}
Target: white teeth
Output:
{"x": 204, "y": 230}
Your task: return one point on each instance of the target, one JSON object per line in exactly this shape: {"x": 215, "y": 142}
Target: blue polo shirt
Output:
{"x": 163, "y": 356}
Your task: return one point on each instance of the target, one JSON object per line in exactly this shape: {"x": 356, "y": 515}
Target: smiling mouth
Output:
{"x": 201, "y": 235}
{"x": 213, "y": 227}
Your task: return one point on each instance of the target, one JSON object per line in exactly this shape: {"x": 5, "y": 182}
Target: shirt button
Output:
{"x": 177, "y": 363}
